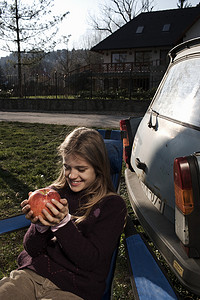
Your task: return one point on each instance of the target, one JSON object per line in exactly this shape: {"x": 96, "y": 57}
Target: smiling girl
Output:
{"x": 68, "y": 255}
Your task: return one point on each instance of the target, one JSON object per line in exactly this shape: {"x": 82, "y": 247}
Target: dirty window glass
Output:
{"x": 179, "y": 98}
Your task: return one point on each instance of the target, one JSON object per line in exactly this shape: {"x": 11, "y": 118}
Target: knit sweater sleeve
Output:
{"x": 35, "y": 242}
{"x": 86, "y": 249}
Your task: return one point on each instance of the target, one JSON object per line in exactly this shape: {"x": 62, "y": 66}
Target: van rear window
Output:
{"x": 179, "y": 97}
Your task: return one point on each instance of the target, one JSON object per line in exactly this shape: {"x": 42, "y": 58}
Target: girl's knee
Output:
{"x": 15, "y": 287}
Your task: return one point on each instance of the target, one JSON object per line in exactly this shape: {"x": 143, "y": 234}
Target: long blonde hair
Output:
{"x": 88, "y": 144}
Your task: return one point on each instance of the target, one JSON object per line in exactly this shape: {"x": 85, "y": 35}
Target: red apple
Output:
{"x": 39, "y": 198}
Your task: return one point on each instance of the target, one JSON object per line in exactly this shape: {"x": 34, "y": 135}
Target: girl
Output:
{"x": 67, "y": 255}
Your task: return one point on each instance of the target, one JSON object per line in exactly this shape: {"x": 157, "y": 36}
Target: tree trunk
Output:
{"x": 19, "y": 64}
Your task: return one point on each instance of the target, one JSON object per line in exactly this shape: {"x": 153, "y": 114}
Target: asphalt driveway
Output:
{"x": 95, "y": 120}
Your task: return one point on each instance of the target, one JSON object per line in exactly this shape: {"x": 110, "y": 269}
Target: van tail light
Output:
{"x": 187, "y": 209}
{"x": 183, "y": 186}
{"x": 126, "y": 144}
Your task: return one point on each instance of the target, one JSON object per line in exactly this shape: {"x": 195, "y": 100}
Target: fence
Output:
{"x": 102, "y": 81}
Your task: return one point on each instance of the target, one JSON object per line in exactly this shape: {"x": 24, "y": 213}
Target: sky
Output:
{"x": 76, "y": 24}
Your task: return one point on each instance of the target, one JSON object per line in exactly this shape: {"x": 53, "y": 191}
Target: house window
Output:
{"x": 139, "y": 29}
{"x": 119, "y": 57}
{"x": 143, "y": 57}
{"x": 166, "y": 27}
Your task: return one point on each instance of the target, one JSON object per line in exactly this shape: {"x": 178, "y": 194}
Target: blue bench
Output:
{"x": 13, "y": 223}
{"x": 147, "y": 277}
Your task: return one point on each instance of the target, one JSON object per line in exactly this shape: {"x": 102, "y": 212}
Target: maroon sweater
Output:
{"x": 77, "y": 257}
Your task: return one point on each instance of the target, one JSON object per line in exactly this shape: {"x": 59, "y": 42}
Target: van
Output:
{"x": 161, "y": 150}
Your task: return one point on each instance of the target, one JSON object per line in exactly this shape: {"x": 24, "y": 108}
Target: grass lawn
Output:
{"x": 28, "y": 160}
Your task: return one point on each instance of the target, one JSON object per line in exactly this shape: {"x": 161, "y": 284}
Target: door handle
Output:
{"x": 151, "y": 125}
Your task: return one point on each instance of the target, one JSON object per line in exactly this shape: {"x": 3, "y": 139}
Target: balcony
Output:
{"x": 127, "y": 67}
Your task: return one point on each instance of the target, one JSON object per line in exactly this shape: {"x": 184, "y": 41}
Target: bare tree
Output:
{"x": 115, "y": 13}
{"x": 29, "y": 30}
{"x": 183, "y": 4}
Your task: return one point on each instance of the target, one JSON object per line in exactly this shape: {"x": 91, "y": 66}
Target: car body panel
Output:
{"x": 158, "y": 149}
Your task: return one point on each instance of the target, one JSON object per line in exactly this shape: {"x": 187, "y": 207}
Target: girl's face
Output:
{"x": 78, "y": 172}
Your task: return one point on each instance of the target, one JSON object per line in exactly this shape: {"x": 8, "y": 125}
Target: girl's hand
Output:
{"x": 59, "y": 210}
{"x": 28, "y": 212}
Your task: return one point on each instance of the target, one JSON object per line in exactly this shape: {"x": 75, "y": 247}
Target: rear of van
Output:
{"x": 164, "y": 162}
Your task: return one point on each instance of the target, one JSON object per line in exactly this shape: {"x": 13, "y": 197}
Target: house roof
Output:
{"x": 150, "y": 26}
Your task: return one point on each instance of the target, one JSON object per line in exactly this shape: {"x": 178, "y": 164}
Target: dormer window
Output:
{"x": 139, "y": 29}
{"x": 166, "y": 27}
